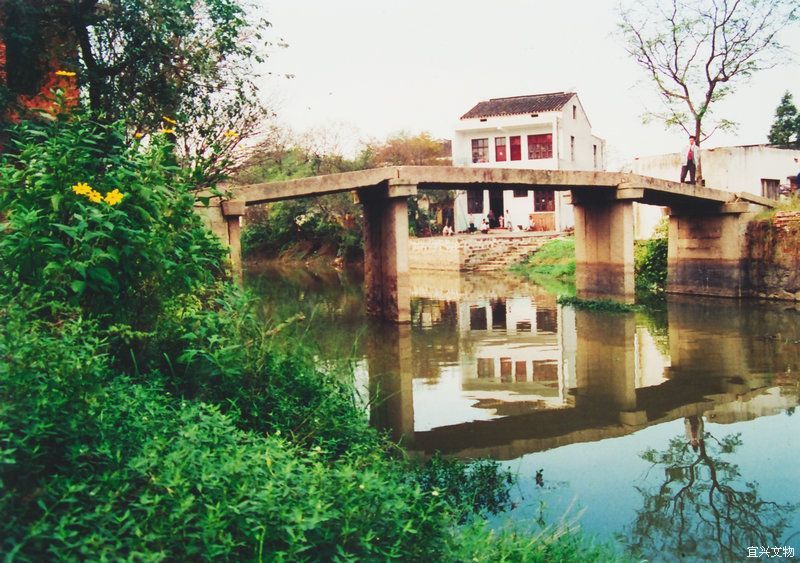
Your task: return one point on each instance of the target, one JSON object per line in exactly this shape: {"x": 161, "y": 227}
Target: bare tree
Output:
{"x": 695, "y": 51}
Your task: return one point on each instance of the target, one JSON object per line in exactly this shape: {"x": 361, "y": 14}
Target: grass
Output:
{"x": 555, "y": 259}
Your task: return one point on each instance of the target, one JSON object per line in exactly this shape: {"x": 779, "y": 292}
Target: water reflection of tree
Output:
{"x": 704, "y": 509}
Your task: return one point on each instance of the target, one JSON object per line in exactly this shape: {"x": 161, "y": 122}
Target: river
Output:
{"x": 671, "y": 433}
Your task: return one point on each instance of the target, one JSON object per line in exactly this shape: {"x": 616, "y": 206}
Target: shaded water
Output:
{"x": 673, "y": 432}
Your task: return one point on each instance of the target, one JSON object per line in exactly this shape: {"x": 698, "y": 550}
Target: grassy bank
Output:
{"x": 146, "y": 412}
{"x": 553, "y": 266}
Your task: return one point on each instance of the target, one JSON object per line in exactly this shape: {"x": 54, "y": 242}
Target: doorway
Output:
{"x": 496, "y": 207}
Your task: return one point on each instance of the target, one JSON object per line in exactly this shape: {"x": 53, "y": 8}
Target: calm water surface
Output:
{"x": 672, "y": 433}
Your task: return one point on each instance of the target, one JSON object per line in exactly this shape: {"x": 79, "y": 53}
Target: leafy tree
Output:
{"x": 184, "y": 66}
{"x": 406, "y": 149}
{"x": 696, "y": 51}
{"x": 785, "y": 130}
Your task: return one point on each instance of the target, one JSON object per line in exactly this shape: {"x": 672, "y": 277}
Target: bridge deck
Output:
{"x": 617, "y": 185}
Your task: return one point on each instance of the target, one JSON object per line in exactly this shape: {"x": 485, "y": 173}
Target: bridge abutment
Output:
{"x": 708, "y": 250}
{"x": 233, "y": 211}
{"x": 604, "y": 249}
{"x": 386, "y": 273}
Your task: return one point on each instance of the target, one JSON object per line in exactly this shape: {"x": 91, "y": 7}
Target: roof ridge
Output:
{"x": 528, "y": 96}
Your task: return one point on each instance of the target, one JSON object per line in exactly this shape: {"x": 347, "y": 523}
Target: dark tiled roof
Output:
{"x": 519, "y": 105}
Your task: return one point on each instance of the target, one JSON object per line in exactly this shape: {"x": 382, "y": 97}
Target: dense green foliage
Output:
{"x": 147, "y": 414}
{"x": 117, "y": 260}
{"x": 785, "y": 130}
{"x": 650, "y": 261}
{"x": 184, "y": 66}
{"x": 330, "y": 226}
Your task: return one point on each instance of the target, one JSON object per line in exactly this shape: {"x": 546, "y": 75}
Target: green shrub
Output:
{"x": 650, "y": 261}
{"x": 94, "y": 465}
{"x": 97, "y": 222}
{"x": 309, "y": 227}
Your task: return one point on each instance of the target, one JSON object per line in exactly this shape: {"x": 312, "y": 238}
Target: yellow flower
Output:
{"x": 138, "y": 135}
{"x": 64, "y": 73}
{"x": 82, "y": 188}
{"x": 114, "y": 197}
{"x": 95, "y": 197}
{"x": 231, "y": 134}
{"x": 169, "y": 120}
{"x": 168, "y": 131}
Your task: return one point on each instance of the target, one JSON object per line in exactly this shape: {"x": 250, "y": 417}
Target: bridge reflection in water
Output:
{"x": 523, "y": 374}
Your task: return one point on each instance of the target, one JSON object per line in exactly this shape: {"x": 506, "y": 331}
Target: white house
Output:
{"x": 755, "y": 169}
{"x": 540, "y": 131}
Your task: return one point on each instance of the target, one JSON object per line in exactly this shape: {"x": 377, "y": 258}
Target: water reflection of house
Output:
{"x": 540, "y": 131}
{"x": 514, "y": 348}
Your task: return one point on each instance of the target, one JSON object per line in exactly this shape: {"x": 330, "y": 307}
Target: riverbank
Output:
{"x": 493, "y": 366}
{"x": 149, "y": 411}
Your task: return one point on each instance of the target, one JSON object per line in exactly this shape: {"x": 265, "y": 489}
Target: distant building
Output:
{"x": 755, "y": 169}
{"x": 541, "y": 131}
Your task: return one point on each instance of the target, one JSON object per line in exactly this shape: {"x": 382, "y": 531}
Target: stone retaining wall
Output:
{"x": 773, "y": 268}
{"x": 476, "y": 252}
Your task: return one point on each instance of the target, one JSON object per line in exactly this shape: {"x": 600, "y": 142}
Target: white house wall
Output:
{"x": 561, "y": 125}
{"x": 736, "y": 169}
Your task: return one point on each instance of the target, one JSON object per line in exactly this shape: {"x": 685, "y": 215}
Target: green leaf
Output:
{"x": 78, "y": 287}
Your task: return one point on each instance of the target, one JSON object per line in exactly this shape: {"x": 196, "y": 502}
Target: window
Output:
{"x": 540, "y": 146}
{"x": 477, "y": 317}
{"x": 520, "y": 193}
{"x": 516, "y": 147}
{"x": 572, "y": 148}
{"x": 480, "y": 150}
{"x": 574, "y": 112}
{"x": 505, "y": 370}
{"x": 545, "y": 370}
{"x": 594, "y": 155}
{"x": 486, "y": 368}
{"x": 544, "y": 200}
{"x": 474, "y": 201}
{"x": 520, "y": 371}
{"x": 499, "y": 149}
{"x": 546, "y": 321}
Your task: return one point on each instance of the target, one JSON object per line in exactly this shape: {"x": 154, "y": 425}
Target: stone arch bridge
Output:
{"x": 707, "y": 250}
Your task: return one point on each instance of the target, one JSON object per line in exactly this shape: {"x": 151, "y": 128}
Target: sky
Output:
{"x": 367, "y": 69}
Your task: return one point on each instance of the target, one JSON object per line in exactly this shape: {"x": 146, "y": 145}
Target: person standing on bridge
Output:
{"x": 691, "y": 158}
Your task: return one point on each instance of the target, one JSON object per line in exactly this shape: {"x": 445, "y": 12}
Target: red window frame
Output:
{"x": 515, "y": 143}
{"x": 499, "y": 149}
{"x": 540, "y": 146}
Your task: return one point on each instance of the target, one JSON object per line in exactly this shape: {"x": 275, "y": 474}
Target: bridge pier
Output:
{"x": 604, "y": 248}
{"x": 605, "y": 365}
{"x": 391, "y": 389}
{"x": 708, "y": 250}
{"x": 386, "y": 274}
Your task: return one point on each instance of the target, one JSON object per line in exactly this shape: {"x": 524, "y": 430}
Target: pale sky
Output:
{"x": 371, "y": 68}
